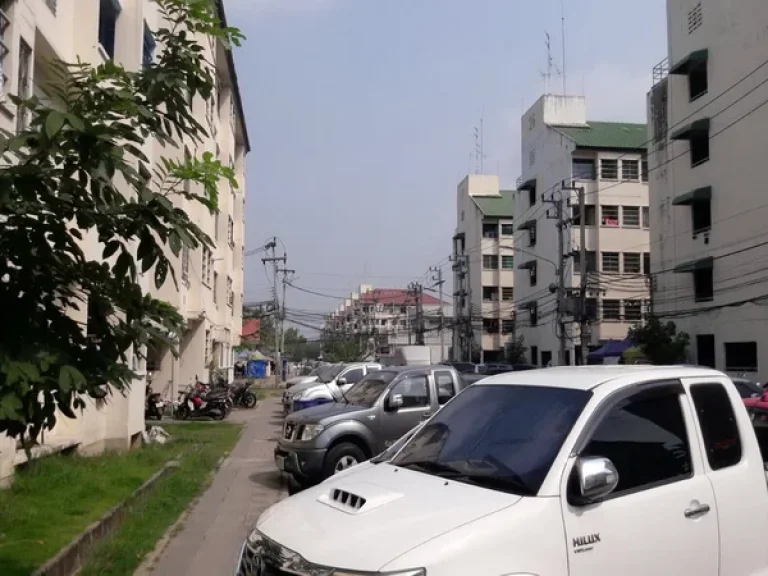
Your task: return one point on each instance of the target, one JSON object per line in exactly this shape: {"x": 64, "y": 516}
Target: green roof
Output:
{"x": 502, "y": 206}
{"x": 608, "y": 135}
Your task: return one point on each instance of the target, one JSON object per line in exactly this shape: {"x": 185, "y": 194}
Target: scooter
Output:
{"x": 154, "y": 405}
{"x": 191, "y": 405}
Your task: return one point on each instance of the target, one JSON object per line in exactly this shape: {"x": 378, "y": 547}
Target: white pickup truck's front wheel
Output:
{"x": 341, "y": 457}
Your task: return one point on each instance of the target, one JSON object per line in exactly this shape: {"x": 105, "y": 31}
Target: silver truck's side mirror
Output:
{"x": 395, "y": 401}
{"x": 597, "y": 477}
{"x": 341, "y": 381}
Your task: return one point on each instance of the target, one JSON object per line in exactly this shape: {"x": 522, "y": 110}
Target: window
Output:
{"x": 699, "y": 149}
{"x": 490, "y": 293}
{"x": 532, "y": 196}
{"x": 609, "y": 169}
{"x": 507, "y": 326}
{"x": 491, "y": 325}
{"x": 207, "y": 266}
{"x": 697, "y": 81}
{"x": 611, "y": 262}
{"x": 701, "y": 216}
{"x": 148, "y": 49}
{"x": 632, "y": 263}
{"x": 215, "y": 287}
{"x": 216, "y": 216}
{"x": 507, "y": 229}
{"x": 533, "y": 308}
{"x": 535, "y": 355}
{"x": 531, "y": 157}
{"x": 646, "y": 217}
{"x": 230, "y": 293}
{"x": 208, "y": 345}
{"x": 647, "y": 263}
{"x": 705, "y": 350}
{"x": 631, "y": 215}
{"x": 630, "y": 170}
{"x": 508, "y": 262}
{"x": 532, "y": 235}
{"x": 231, "y": 231}
{"x": 645, "y": 439}
{"x": 5, "y": 40}
{"x": 584, "y": 169}
{"x": 645, "y": 170}
{"x": 185, "y": 264}
{"x": 633, "y": 310}
{"x": 490, "y": 230}
{"x": 590, "y": 210}
{"x": 353, "y": 376}
{"x": 610, "y": 215}
{"x": 703, "y": 285}
{"x": 446, "y": 387}
{"x": 508, "y": 294}
{"x": 591, "y": 262}
{"x": 534, "y": 278}
{"x": 109, "y": 11}
{"x": 591, "y": 307}
{"x": 741, "y": 356}
{"x": 490, "y": 262}
{"x": 718, "y": 425}
{"x": 546, "y": 357}
{"x": 24, "y": 84}
{"x": 611, "y": 310}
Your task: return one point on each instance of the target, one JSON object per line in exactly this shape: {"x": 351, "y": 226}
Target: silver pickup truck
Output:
{"x": 318, "y": 442}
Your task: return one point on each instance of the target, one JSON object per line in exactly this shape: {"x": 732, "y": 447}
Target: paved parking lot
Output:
{"x": 209, "y": 538}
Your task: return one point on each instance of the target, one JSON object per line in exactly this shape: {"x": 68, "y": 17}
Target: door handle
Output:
{"x": 696, "y": 511}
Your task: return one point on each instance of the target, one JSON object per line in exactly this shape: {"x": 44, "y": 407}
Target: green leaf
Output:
{"x": 110, "y": 249}
{"x": 11, "y": 405}
{"x": 53, "y": 123}
{"x": 161, "y": 272}
{"x": 75, "y": 122}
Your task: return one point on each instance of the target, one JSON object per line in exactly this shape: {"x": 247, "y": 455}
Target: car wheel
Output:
{"x": 342, "y": 457}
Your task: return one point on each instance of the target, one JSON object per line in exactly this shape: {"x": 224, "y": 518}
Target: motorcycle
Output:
{"x": 154, "y": 405}
{"x": 191, "y": 404}
{"x": 220, "y": 396}
{"x": 242, "y": 396}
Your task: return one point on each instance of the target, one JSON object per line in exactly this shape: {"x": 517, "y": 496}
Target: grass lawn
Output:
{"x": 262, "y": 393}
{"x": 56, "y": 498}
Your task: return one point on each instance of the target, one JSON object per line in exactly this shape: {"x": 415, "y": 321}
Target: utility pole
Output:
{"x": 285, "y": 273}
{"x": 560, "y": 288}
{"x": 271, "y": 245}
{"x": 439, "y": 283}
{"x": 417, "y": 290}
{"x": 583, "y": 284}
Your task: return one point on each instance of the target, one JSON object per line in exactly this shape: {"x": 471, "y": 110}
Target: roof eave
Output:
{"x": 233, "y": 77}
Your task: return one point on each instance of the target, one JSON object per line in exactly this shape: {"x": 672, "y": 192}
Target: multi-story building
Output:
{"x": 34, "y": 32}
{"x": 561, "y": 150}
{"x": 483, "y": 266}
{"x": 707, "y": 119}
{"x": 391, "y": 318}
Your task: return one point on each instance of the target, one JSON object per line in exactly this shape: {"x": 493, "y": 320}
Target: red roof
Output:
{"x": 396, "y": 296}
{"x": 251, "y": 328}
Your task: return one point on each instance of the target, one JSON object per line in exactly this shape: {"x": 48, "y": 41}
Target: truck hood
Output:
{"x": 323, "y": 412}
{"x": 395, "y": 510}
{"x": 297, "y": 380}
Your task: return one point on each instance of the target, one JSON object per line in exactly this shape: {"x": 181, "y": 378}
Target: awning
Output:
{"x": 528, "y": 185}
{"x": 694, "y": 265}
{"x": 693, "y": 60}
{"x": 703, "y": 194}
{"x": 528, "y": 225}
{"x": 611, "y": 349}
{"x": 697, "y": 128}
{"x": 527, "y": 265}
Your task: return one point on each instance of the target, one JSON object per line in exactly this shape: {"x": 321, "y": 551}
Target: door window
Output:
{"x": 645, "y": 438}
{"x": 353, "y": 376}
{"x": 718, "y": 425}
{"x": 415, "y": 391}
{"x": 446, "y": 387}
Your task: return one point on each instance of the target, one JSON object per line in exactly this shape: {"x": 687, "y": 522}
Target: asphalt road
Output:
{"x": 208, "y": 540}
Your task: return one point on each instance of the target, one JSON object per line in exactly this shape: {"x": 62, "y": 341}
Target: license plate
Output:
{"x": 280, "y": 462}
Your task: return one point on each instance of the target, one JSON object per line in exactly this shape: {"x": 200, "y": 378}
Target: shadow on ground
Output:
{"x": 271, "y": 479}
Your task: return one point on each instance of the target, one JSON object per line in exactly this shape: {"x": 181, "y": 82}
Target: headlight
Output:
{"x": 310, "y": 431}
{"x": 416, "y": 572}
{"x": 297, "y": 396}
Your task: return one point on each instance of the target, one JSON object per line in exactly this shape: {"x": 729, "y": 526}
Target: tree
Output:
{"x": 77, "y": 175}
{"x": 342, "y": 347}
{"x": 660, "y": 342}
{"x": 295, "y": 344}
{"x": 515, "y": 351}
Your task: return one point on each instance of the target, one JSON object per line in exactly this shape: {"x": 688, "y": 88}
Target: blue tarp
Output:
{"x": 257, "y": 369}
{"x": 611, "y": 349}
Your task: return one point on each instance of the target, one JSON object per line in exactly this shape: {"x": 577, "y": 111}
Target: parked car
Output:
{"x": 560, "y": 472}
{"x": 329, "y": 386}
{"x": 463, "y": 367}
{"x": 318, "y": 442}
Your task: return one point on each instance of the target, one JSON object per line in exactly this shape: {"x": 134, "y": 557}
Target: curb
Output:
{"x": 70, "y": 559}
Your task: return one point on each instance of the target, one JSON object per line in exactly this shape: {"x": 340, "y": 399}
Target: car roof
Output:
{"x": 415, "y": 367}
{"x": 589, "y": 377}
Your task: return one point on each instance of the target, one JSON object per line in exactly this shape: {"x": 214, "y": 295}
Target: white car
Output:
{"x": 587, "y": 471}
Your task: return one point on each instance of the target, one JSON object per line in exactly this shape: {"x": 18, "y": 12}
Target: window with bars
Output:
{"x": 609, "y": 169}
{"x": 633, "y": 310}
{"x": 590, "y": 210}
{"x": 611, "y": 262}
{"x": 612, "y": 310}
{"x": 609, "y": 216}
{"x": 584, "y": 169}
{"x": 534, "y": 278}
{"x": 207, "y": 265}
{"x": 215, "y": 287}
{"x": 645, "y": 170}
{"x": 632, "y": 263}
{"x": 5, "y": 40}
{"x": 647, "y": 263}
{"x": 507, "y": 229}
{"x": 490, "y": 230}
{"x": 230, "y": 293}
{"x": 490, "y": 262}
{"x": 24, "y": 83}
{"x": 630, "y": 170}
{"x": 490, "y": 293}
{"x": 507, "y": 326}
{"x": 185, "y": 264}
{"x": 646, "y": 217}
{"x": 631, "y": 216}
{"x": 533, "y": 308}
{"x": 508, "y": 294}
{"x": 231, "y": 231}
{"x": 508, "y": 262}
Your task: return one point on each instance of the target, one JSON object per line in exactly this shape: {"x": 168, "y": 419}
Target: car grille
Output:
{"x": 267, "y": 558}
{"x": 292, "y": 431}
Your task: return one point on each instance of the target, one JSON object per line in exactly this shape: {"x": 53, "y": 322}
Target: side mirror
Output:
{"x": 597, "y": 478}
{"x": 341, "y": 381}
{"x": 394, "y": 402}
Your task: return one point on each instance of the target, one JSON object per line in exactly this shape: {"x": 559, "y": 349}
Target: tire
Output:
{"x": 182, "y": 412}
{"x": 342, "y": 457}
{"x": 249, "y": 400}
{"x": 220, "y": 415}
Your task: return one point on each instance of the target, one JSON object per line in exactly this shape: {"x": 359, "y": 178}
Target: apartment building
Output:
{"x": 608, "y": 161}
{"x": 34, "y": 32}
{"x": 708, "y": 139}
{"x": 483, "y": 259}
{"x": 391, "y": 318}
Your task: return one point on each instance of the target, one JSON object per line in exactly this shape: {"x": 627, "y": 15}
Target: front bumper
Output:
{"x": 305, "y": 465}
{"x": 304, "y": 404}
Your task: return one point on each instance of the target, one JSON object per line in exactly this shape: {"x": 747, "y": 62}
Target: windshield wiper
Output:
{"x": 511, "y": 484}
{"x": 432, "y": 467}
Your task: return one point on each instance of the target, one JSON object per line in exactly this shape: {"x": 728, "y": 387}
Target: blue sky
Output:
{"x": 361, "y": 115}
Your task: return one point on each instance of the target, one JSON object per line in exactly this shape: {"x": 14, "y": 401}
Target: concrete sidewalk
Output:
{"x": 209, "y": 540}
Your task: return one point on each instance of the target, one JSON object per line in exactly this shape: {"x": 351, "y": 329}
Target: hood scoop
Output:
{"x": 357, "y": 497}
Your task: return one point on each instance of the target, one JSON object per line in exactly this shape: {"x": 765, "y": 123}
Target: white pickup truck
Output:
{"x": 589, "y": 471}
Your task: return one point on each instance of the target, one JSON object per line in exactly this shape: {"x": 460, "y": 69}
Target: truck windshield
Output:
{"x": 369, "y": 388}
{"x": 328, "y": 373}
{"x": 498, "y": 437}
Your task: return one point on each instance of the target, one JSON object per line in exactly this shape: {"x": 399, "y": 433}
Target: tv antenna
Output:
{"x": 550, "y": 64}
{"x": 480, "y": 145}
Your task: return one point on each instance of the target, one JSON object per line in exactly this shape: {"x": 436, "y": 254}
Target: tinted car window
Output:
{"x": 446, "y": 388}
{"x": 498, "y": 437}
{"x": 718, "y": 425}
{"x": 368, "y": 390}
{"x": 415, "y": 391}
{"x": 645, "y": 438}
{"x": 353, "y": 376}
